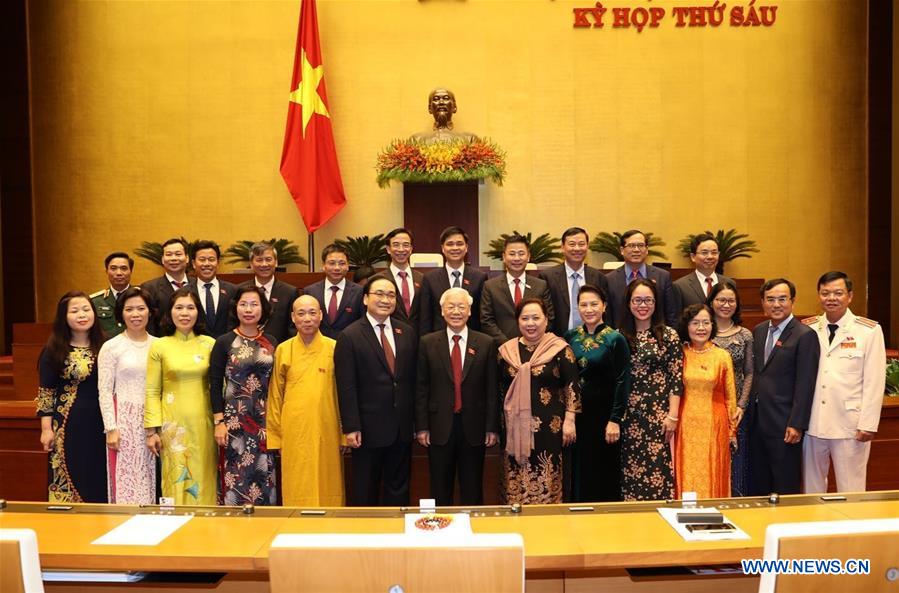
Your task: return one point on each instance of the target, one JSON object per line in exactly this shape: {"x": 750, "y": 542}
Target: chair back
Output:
{"x": 20, "y": 565}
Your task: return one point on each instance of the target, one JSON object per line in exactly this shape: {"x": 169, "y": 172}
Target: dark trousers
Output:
{"x": 381, "y": 475}
{"x": 457, "y": 454}
{"x": 774, "y": 466}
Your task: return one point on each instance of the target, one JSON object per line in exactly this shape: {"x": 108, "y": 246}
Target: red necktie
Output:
{"x": 332, "y": 305}
{"x": 708, "y": 285}
{"x": 517, "y": 297}
{"x": 388, "y": 351}
{"x": 635, "y": 273}
{"x": 404, "y": 292}
{"x": 456, "y": 359}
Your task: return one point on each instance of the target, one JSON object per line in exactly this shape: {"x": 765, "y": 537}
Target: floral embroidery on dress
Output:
{"x": 545, "y": 396}
{"x": 555, "y": 424}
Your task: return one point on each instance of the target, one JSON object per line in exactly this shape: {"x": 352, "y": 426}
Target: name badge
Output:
{"x": 845, "y": 345}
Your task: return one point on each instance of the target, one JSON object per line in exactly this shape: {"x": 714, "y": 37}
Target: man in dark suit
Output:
{"x": 280, "y": 295}
{"x": 635, "y": 251}
{"x": 339, "y": 299}
{"x": 406, "y": 280}
{"x": 174, "y": 262}
{"x": 118, "y": 271}
{"x": 566, "y": 279}
{"x": 456, "y": 403}
{"x": 215, "y": 295}
{"x": 786, "y": 367}
{"x": 695, "y": 288}
{"x": 454, "y": 245}
{"x": 502, "y": 294}
{"x": 374, "y": 363}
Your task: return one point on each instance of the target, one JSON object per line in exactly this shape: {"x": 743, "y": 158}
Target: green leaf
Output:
{"x": 288, "y": 252}
{"x": 731, "y": 245}
{"x": 364, "y": 251}
{"x": 543, "y": 249}
{"x": 610, "y": 244}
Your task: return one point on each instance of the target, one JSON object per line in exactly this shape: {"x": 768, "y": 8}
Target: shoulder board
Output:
{"x": 810, "y": 320}
{"x": 866, "y": 322}
{"x": 99, "y": 293}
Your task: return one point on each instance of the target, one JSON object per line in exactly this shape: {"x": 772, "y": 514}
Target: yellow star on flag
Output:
{"x": 306, "y": 95}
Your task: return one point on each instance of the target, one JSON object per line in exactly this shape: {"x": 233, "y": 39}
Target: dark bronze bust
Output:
{"x": 442, "y": 106}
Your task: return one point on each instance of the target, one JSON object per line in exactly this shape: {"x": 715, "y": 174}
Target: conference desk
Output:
{"x": 619, "y": 547}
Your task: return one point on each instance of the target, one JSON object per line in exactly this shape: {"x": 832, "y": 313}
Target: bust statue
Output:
{"x": 442, "y": 106}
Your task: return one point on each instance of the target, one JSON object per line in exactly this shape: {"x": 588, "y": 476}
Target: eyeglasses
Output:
{"x": 720, "y": 301}
{"x": 700, "y": 323}
{"x": 384, "y": 296}
{"x": 635, "y": 246}
{"x": 781, "y": 300}
{"x": 643, "y": 301}
{"x": 460, "y": 308}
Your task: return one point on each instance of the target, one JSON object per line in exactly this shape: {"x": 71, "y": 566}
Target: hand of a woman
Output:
{"x": 154, "y": 444}
{"x": 569, "y": 433}
{"x": 221, "y": 434}
{"x": 670, "y": 425}
{"x": 613, "y": 432}
{"x": 48, "y": 435}
{"x": 738, "y": 416}
{"x": 112, "y": 439}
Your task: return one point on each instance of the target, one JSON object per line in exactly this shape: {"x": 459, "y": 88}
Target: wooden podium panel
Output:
{"x": 346, "y": 562}
{"x": 428, "y": 208}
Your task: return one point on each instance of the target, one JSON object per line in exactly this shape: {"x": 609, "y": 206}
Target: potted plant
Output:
{"x": 892, "y": 385}
{"x": 731, "y": 245}
{"x": 610, "y": 243}
{"x": 288, "y": 252}
{"x": 543, "y": 249}
{"x": 363, "y": 253}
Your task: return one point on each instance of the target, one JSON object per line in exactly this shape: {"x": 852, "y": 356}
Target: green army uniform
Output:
{"x": 104, "y": 302}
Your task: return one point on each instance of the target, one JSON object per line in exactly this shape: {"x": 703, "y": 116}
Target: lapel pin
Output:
{"x": 778, "y": 343}
{"x": 466, "y": 281}
{"x": 398, "y": 331}
{"x": 471, "y": 351}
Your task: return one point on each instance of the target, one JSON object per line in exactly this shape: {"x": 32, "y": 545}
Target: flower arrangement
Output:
{"x": 413, "y": 161}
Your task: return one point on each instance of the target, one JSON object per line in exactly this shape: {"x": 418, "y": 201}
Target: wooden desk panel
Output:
{"x": 204, "y": 544}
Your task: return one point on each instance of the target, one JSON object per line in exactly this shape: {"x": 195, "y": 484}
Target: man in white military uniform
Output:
{"x": 848, "y": 391}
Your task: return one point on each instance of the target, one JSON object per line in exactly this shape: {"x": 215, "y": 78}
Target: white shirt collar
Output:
{"x": 782, "y": 324}
{"x": 214, "y": 282}
{"x": 267, "y": 286}
{"x": 395, "y": 270}
{"x": 375, "y": 323}
{"x": 843, "y": 321}
{"x": 340, "y": 285}
{"x": 450, "y": 333}
{"x": 460, "y": 269}
{"x": 569, "y": 271}
{"x": 702, "y": 278}
{"x": 510, "y": 280}
{"x": 172, "y": 280}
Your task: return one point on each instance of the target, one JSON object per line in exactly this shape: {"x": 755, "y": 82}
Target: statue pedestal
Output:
{"x": 428, "y": 208}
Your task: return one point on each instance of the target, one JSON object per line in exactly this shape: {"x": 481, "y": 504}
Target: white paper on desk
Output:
{"x": 670, "y": 516}
{"x": 143, "y": 530}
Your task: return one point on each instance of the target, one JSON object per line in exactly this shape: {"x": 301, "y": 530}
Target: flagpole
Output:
{"x": 311, "y": 251}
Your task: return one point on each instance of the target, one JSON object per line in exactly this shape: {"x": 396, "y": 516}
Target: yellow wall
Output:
{"x": 158, "y": 118}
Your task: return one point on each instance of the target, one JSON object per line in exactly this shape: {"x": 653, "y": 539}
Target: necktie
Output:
{"x": 263, "y": 291}
{"x": 832, "y": 327}
{"x": 404, "y": 292}
{"x": 635, "y": 273}
{"x": 332, "y": 305}
{"x": 517, "y": 297}
{"x": 176, "y": 285}
{"x": 210, "y": 307}
{"x": 388, "y": 351}
{"x": 769, "y": 344}
{"x": 456, "y": 359}
{"x": 575, "y": 319}
{"x": 457, "y": 283}
{"x": 708, "y": 286}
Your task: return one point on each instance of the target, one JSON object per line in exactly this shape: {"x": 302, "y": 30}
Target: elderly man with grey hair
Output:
{"x": 280, "y": 295}
{"x": 456, "y": 402}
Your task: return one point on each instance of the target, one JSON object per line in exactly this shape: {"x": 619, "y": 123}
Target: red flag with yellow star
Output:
{"x": 309, "y": 159}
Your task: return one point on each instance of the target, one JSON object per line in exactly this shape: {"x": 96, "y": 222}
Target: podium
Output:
{"x": 428, "y": 208}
